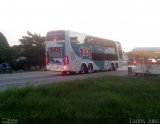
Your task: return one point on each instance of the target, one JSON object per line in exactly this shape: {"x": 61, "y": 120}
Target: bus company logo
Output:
{"x": 84, "y": 51}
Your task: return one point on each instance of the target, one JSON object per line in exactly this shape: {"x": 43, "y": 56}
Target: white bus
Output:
{"x": 68, "y": 51}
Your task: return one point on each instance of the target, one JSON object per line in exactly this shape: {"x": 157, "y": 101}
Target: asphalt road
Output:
{"x": 44, "y": 77}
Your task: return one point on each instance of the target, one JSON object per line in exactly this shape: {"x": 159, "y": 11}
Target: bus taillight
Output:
{"x": 46, "y": 60}
{"x": 66, "y": 60}
{"x": 134, "y": 62}
{"x": 55, "y": 39}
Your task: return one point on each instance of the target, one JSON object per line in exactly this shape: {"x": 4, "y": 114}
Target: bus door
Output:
{"x": 98, "y": 57}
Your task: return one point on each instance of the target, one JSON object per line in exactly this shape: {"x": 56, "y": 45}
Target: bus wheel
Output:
{"x": 90, "y": 68}
{"x": 116, "y": 66}
{"x": 113, "y": 67}
{"x": 83, "y": 69}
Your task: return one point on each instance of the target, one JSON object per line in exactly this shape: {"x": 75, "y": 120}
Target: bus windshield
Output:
{"x": 55, "y": 52}
{"x": 56, "y": 36}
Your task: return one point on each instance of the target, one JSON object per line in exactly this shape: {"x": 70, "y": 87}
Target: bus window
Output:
{"x": 76, "y": 38}
{"x": 89, "y": 40}
{"x": 55, "y": 52}
{"x": 56, "y": 36}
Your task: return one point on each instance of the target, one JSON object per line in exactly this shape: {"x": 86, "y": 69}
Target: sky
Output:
{"x": 134, "y": 23}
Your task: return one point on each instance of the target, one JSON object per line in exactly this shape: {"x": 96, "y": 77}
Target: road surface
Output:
{"x": 44, "y": 77}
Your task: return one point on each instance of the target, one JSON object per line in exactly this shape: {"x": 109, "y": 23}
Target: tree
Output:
{"x": 16, "y": 51}
{"x": 33, "y": 49}
{"x": 4, "y": 49}
{"x": 3, "y": 40}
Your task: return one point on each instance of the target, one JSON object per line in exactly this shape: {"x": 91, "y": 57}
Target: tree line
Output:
{"x": 30, "y": 53}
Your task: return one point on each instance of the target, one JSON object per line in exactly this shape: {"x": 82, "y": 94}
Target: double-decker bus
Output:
{"x": 68, "y": 51}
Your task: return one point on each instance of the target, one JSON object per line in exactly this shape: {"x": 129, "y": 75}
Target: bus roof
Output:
{"x": 84, "y": 34}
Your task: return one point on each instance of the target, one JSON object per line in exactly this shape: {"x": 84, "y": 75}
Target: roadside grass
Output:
{"x": 113, "y": 99}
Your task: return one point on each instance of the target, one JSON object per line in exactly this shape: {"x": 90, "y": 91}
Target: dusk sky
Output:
{"x": 134, "y": 23}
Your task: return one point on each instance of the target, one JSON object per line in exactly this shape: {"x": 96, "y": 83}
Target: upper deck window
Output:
{"x": 56, "y": 36}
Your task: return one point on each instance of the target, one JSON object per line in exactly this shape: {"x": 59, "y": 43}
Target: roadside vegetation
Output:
{"x": 27, "y": 56}
{"x": 103, "y": 99}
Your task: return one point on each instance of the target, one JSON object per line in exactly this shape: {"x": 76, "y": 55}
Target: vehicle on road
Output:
{"x": 147, "y": 60}
{"x": 68, "y": 51}
{"x": 5, "y": 68}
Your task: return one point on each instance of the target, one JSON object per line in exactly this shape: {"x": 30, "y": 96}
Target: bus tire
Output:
{"x": 116, "y": 66}
{"x": 90, "y": 68}
{"x": 113, "y": 67}
{"x": 83, "y": 69}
